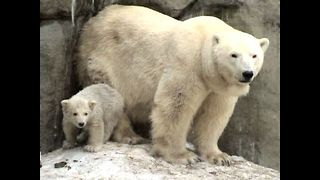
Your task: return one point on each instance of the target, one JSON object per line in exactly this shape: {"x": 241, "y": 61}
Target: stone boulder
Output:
{"x": 169, "y": 7}
{"x": 57, "y": 39}
{"x": 60, "y": 9}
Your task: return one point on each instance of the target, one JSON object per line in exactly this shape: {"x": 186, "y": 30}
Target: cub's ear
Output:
{"x": 64, "y": 103}
{"x": 92, "y": 104}
{"x": 264, "y": 43}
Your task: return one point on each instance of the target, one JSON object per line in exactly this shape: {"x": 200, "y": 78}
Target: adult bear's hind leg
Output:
{"x": 123, "y": 132}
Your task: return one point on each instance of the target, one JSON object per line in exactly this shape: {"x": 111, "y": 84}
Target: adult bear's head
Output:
{"x": 234, "y": 57}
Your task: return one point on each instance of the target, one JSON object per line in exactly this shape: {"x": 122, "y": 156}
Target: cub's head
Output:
{"x": 77, "y": 111}
{"x": 235, "y": 57}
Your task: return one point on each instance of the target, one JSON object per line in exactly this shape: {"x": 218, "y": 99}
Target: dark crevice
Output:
{"x": 187, "y": 9}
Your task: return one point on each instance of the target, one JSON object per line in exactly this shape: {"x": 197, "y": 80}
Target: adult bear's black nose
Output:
{"x": 247, "y": 75}
{"x": 81, "y": 124}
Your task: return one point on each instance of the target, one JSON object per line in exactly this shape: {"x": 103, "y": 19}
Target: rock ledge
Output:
{"x": 121, "y": 161}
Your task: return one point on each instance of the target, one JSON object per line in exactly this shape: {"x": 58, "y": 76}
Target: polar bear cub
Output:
{"x": 96, "y": 111}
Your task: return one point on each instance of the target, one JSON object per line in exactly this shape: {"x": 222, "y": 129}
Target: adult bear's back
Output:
{"x": 125, "y": 47}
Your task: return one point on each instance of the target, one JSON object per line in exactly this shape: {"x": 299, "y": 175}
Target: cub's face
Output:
{"x": 238, "y": 58}
{"x": 77, "y": 111}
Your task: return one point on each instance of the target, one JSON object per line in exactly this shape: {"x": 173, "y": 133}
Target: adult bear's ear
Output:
{"x": 215, "y": 40}
{"x": 264, "y": 43}
{"x": 92, "y": 104}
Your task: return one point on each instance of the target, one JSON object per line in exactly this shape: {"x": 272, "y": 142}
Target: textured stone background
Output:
{"x": 254, "y": 129}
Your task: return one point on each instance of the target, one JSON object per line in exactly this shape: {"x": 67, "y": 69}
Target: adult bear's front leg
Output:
{"x": 176, "y": 102}
{"x": 209, "y": 124}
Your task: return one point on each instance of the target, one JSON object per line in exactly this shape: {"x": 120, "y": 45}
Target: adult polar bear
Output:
{"x": 178, "y": 74}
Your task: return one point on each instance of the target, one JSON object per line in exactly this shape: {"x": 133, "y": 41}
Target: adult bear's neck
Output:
{"x": 217, "y": 84}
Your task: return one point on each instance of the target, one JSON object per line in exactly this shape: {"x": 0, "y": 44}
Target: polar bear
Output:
{"x": 182, "y": 76}
{"x": 96, "y": 111}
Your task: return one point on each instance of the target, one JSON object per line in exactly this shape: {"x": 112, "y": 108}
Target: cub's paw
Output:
{"x": 67, "y": 145}
{"x": 92, "y": 148}
{"x": 218, "y": 158}
{"x": 186, "y": 157}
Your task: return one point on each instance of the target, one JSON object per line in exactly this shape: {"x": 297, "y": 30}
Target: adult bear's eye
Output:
{"x": 85, "y": 114}
{"x": 254, "y": 56}
{"x": 75, "y": 114}
{"x": 234, "y": 55}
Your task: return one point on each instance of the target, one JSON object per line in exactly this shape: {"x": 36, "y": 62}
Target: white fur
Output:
{"x": 99, "y": 108}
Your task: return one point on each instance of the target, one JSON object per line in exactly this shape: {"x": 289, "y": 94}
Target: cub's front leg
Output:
{"x": 95, "y": 139}
{"x": 176, "y": 102}
{"x": 70, "y": 132}
{"x": 209, "y": 124}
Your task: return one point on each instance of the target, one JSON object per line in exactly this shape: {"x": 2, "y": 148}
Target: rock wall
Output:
{"x": 58, "y": 38}
{"x": 254, "y": 129}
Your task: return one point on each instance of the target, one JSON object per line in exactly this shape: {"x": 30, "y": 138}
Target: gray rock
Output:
{"x": 121, "y": 161}
{"x": 55, "y": 9}
{"x": 173, "y": 8}
{"x": 169, "y": 7}
{"x": 221, "y": 3}
{"x": 57, "y": 39}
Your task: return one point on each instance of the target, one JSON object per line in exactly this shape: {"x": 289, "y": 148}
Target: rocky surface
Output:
{"x": 60, "y": 9}
{"x": 55, "y": 80}
{"x": 57, "y": 39}
{"x": 169, "y": 7}
{"x": 121, "y": 161}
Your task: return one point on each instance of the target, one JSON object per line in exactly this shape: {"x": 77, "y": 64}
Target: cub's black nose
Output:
{"x": 80, "y": 124}
{"x": 247, "y": 75}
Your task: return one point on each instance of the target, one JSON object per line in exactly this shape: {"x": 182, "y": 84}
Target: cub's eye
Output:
{"x": 85, "y": 114}
{"x": 254, "y": 56}
{"x": 75, "y": 114}
{"x": 234, "y": 55}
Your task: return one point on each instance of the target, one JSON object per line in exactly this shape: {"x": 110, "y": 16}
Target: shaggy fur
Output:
{"x": 99, "y": 108}
{"x": 174, "y": 73}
